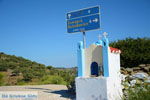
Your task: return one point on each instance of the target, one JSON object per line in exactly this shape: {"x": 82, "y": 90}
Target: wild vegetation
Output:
{"x": 20, "y": 71}
{"x": 134, "y": 51}
{"x": 138, "y": 91}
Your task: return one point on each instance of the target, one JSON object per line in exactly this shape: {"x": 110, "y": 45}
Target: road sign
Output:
{"x": 83, "y": 20}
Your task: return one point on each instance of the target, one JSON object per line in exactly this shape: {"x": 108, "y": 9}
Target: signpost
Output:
{"x": 83, "y": 20}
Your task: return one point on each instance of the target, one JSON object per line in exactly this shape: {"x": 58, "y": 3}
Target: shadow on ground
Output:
{"x": 39, "y": 89}
{"x": 63, "y": 93}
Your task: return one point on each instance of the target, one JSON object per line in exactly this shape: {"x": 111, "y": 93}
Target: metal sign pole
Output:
{"x": 84, "y": 40}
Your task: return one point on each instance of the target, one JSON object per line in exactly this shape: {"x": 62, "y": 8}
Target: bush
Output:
{"x": 71, "y": 87}
{"x": 141, "y": 92}
{"x": 3, "y": 66}
{"x": 1, "y": 79}
{"x": 50, "y": 67}
{"x": 52, "y": 80}
{"x": 28, "y": 75}
{"x": 134, "y": 51}
{"x": 16, "y": 71}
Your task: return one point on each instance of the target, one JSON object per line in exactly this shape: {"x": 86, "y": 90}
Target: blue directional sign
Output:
{"x": 83, "y": 20}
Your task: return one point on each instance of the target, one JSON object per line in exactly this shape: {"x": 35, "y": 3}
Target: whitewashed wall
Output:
{"x": 114, "y": 64}
{"x": 97, "y": 88}
{"x": 91, "y": 88}
{"x": 92, "y": 54}
{"x": 114, "y": 75}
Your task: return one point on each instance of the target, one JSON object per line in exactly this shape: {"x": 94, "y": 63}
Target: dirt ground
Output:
{"x": 44, "y": 92}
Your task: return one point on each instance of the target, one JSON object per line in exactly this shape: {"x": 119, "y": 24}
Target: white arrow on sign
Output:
{"x": 95, "y": 20}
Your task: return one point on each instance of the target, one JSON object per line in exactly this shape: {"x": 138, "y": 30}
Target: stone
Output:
{"x": 122, "y": 68}
{"x": 136, "y": 68}
{"x": 148, "y": 78}
{"x": 146, "y": 69}
{"x": 129, "y": 70}
{"x": 140, "y": 75}
{"x": 124, "y": 72}
{"x": 147, "y": 81}
{"x": 126, "y": 85}
{"x": 139, "y": 82}
{"x": 133, "y": 82}
{"x": 123, "y": 77}
{"x": 142, "y": 65}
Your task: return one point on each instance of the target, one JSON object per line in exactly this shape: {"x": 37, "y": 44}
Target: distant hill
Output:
{"x": 21, "y": 67}
{"x": 20, "y": 71}
{"x": 14, "y": 62}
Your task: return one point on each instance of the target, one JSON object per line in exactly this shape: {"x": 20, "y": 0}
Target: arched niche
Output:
{"x": 94, "y": 69}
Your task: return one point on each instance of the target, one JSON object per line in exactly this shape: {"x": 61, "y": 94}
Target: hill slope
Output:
{"x": 19, "y": 71}
{"x": 15, "y": 68}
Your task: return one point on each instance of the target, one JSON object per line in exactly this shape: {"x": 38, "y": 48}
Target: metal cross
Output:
{"x": 99, "y": 37}
{"x": 105, "y": 34}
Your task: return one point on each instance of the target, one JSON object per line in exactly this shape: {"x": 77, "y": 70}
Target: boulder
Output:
{"x": 123, "y": 71}
{"x": 147, "y": 81}
{"x": 133, "y": 82}
{"x": 146, "y": 69}
{"x": 136, "y": 69}
{"x": 129, "y": 70}
{"x": 140, "y": 75}
{"x": 139, "y": 82}
{"x": 142, "y": 65}
{"x": 148, "y": 78}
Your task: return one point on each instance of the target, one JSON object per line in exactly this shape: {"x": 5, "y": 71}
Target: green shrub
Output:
{"x": 71, "y": 86}
{"x": 3, "y": 66}
{"x": 49, "y": 67}
{"x": 139, "y": 92}
{"x": 1, "y": 79}
{"x": 27, "y": 74}
{"x": 21, "y": 83}
{"x": 52, "y": 80}
{"x": 134, "y": 51}
{"x": 16, "y": 71}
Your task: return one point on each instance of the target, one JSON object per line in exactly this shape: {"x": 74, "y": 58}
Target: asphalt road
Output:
{"x": 43, "y": 92}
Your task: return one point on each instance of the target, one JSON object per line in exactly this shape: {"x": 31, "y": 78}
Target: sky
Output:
{"x": 36, "y": 29}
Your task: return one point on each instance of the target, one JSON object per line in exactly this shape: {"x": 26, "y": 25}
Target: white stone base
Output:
{"x": 98, "y": 88}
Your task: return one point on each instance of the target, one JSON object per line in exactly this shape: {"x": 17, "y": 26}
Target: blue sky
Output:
{"x": 36, "y": 29}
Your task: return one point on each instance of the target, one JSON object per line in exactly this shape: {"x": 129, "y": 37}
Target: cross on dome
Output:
{"x": 105, "y": 34}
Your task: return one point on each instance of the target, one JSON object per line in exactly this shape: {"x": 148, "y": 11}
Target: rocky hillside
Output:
{"x": 136, "y": 82}
{"x": 145, "y": 68}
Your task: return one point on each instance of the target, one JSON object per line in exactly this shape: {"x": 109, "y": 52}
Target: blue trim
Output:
{"x": 81, "y": 59}
{"x": 105, "y": 56}
{"x": 99, "y": 42}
